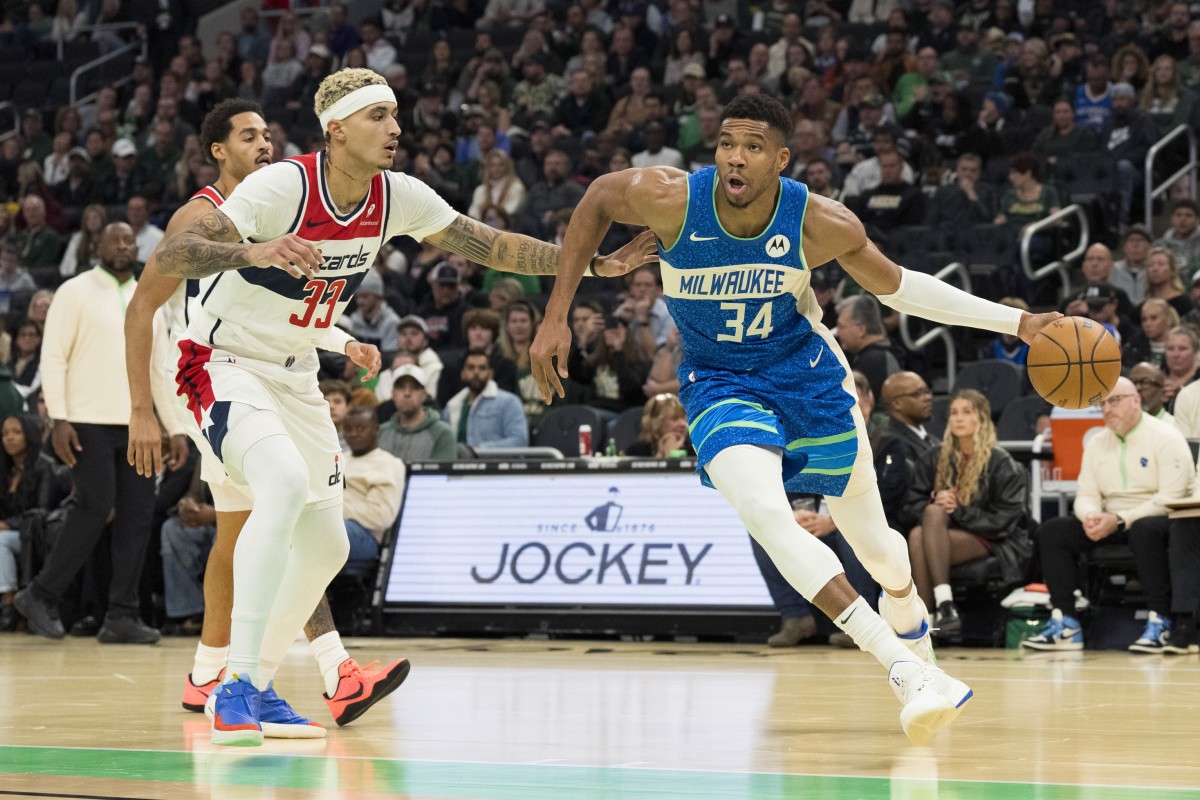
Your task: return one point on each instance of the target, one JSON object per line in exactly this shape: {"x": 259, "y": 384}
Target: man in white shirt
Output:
{"x": 146, "y": 234}
{"x": 657, "y": 154}
{"x": 82, "y": 351}
{"x": 374, "y": 490}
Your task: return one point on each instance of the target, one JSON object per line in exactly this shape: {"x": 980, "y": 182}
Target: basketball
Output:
{"x": 1074, "y": 362}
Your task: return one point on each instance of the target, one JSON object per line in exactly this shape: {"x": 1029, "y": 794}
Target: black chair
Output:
{"x": 1001, "y": 382}
{"x": 626, "y": 428}
{"x": 1018, "y": 420}
{"x": 560, "y": 429}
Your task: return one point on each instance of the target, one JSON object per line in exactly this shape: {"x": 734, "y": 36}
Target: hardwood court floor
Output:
{"x": 526, "y": 720}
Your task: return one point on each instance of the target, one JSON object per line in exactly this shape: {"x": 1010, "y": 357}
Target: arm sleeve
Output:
{"x": 57, "y": 341}
{"x": 416, "y": 210}
{"x": 928, "y": 297}
{"x": 335, "y": 339}
{"x": 268, "y": 202}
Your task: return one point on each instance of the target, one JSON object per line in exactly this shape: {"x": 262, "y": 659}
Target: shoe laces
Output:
{"x": 1053, "y": 629}
{"x": 1154, "y": 630}
{"x": 358, "y": 669}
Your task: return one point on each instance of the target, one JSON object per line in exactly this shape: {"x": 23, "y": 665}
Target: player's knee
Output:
{"x": 766, "y": 520}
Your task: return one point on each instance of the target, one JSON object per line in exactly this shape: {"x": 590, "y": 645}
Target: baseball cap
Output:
{"x": 371, "y": 284}
{"x": 410, "y": 371}
{"x": 873, "y": 100}
{"x": 319, "y": 50}
{"x": 1098, "y": 293}
{"x": 694, "y": 70}
{"x": 124, "y": 147}
{"x": 1123, "y": 89}
{"x": 446, "y": 273}
{"x": 81, "y": 152}
{"x": 942, "y": 76}
{"x": 413, "y": 321}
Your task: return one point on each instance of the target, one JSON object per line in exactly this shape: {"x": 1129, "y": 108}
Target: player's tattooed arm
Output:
{"x": 500, "y": 250}
{"x": 209, "y": 245}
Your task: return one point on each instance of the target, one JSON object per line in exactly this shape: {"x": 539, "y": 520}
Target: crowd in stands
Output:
{"x": 949, "y": 127}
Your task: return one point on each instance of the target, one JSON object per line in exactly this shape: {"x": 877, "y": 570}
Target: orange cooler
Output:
{"x": 1067, "y": 429}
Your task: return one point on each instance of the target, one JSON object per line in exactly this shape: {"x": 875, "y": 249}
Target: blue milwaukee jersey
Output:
{"x": 740, "y": 304}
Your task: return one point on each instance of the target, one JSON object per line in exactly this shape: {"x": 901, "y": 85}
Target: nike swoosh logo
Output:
{"x": 357, "y": 694}
{"x": 846, "y": 618}
{"x": 820, "y": 353}
{"x": 313, "y": 224}
{"x": 696, "y": 238}
{"x": 1068, "y": 633}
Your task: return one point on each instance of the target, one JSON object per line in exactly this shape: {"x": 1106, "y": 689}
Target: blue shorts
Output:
{"x": 803, "y": 411}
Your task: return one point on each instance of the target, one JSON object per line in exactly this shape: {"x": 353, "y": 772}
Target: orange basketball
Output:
{"x": 1074, "y": 362}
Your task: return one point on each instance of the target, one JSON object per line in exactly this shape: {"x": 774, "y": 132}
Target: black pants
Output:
{"x": 1185, "y": 566}
{"x": 103, "y": 481}
{"x": 1062, "y": 540}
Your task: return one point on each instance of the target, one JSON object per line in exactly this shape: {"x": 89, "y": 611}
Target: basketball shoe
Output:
{"x": 1059, "y": 633}
{"x": 919, "y": 640}
{"x": 1154, "y": 637}
{"x": 194, "y": 697}
{"x": 932, "y": 699}
{"x": 277, "y": 718}
{"x": 236, "y": 708}
{"x": 1183, "y": 638}
{"x": 359, "y": 688}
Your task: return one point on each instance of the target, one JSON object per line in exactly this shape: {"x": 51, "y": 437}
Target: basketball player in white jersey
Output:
{"x": 274, "y": 268}
{"x": 238, "y": 139}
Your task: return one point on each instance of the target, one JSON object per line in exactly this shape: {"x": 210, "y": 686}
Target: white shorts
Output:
{"x": 212, "y": 381}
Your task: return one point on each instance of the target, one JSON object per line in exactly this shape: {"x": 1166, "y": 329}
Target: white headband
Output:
{"x": 356, "y": 101}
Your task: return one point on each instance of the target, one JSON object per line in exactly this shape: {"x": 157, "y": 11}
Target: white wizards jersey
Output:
{"x": 269, "y": 315}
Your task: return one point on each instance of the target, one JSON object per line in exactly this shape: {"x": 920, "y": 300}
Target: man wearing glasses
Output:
{"x": 1130, "y": 470}
{"x": 908, "y": 401}
{"x": 1149, "y": 380}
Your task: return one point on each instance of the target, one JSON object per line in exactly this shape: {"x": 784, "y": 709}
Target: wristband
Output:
{"x": 591, "y": 267}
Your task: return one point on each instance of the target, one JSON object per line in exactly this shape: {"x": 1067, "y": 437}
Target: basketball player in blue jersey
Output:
{"x": 238, "y": 139}
{"x": 274, "y": 268}
{"x": 768, "y": 392}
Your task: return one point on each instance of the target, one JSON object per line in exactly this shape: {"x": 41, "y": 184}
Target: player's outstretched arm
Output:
{"x": 831, "y": 231}
{"x": 212, "y": 244}
{"x": 153, "y": 290}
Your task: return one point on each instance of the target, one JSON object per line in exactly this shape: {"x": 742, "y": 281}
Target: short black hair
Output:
{"x": 477, "y": 352}
{"x": 1186, "y": 203}
{"x": 1024, "y": 162}
{"x": 763, "y": 108}
{"x": 218, "y": 123}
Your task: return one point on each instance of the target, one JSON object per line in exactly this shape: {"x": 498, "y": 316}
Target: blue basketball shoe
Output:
{"x": 236, "y": 706}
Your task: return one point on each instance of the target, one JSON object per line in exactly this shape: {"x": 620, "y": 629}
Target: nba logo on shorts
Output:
{"x": 779, "y": 246}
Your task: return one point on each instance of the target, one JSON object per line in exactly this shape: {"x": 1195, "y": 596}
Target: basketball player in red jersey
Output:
{"x": 312, "y": 227}
{"x": 238, "y": 139}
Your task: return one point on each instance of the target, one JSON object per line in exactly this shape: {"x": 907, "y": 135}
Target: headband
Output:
{"x": 357, "y": 101}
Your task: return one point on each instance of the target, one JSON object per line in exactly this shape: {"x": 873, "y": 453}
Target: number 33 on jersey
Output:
{"x": 268, "y": 314}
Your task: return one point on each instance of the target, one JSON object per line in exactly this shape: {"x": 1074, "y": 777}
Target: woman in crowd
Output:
{"x": 681, "y": 53}
{"x": 1164, "y": 282}
{"x": 520, "y": 320}
{"x": 967, "y": 500}
{"x": 500, "y": 186}
{"x": 26, "y": 482}
{"x": 1130, "y": 65}
{"x": 1150, "y": 342}
{"x": 26, "y": 356}
{"x": 1164, "y": 98}
{"x": 81, "y": 249}
{"x": 1063, "y": 137}
{"x": 614, "y": 368}
{"x": 664, "y": 432}
{"x": 1180, "y": 356}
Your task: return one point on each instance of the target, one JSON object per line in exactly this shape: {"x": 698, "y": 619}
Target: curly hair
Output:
{"x": 218, "y": 123}
{"x": 342, "y": 83}
{"x": 659, "y": 410}
{"x": 954, "y": 469}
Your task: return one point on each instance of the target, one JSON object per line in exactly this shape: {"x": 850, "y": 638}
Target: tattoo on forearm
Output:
{"x": 536, "y": 258}
{"x": 470, "y": 239}
{"x": 321, "y": 621}
{"x": 209, "y": 245}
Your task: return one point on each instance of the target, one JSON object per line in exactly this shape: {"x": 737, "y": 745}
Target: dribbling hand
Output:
{"x": 366, "y": 356}
{"x": 553, "y": 341}
{"x": 297, "y": 257}
{"x": 1032, "y": 324}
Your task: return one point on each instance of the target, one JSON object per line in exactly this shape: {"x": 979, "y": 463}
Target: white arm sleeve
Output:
{"x": 335, "y": 340}
{"x": 416, "y": 210}
{"x": 267, "y": 203}
{"x": 930, "y": 298}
